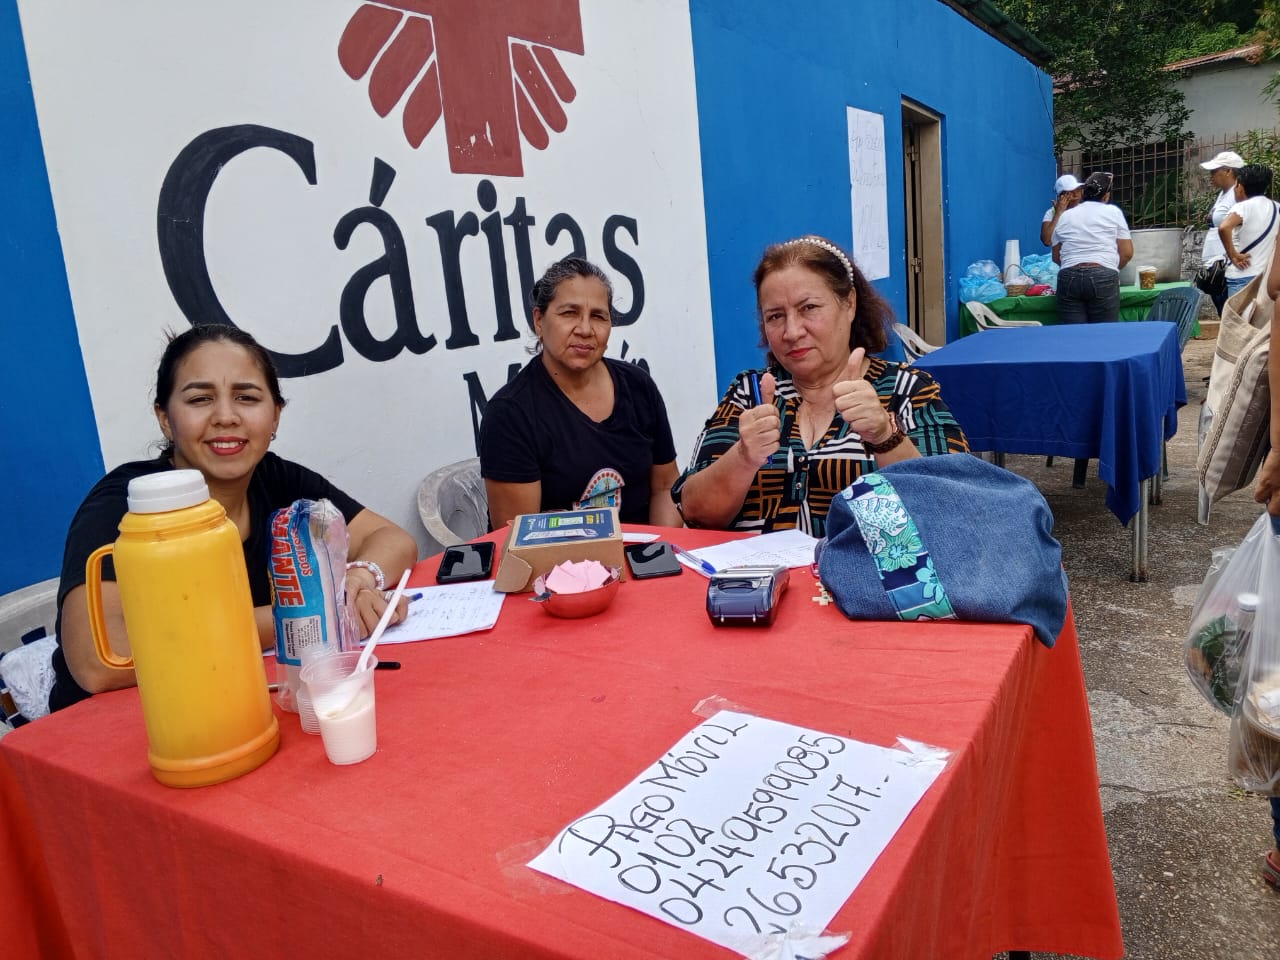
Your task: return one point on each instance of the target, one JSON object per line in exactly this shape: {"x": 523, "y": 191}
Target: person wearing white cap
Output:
{"x": 1091, "y": 243}
{"x": 1067, "y": 192}
{"x": 1222, "y": 174}
{"x": 1248, "y": 231}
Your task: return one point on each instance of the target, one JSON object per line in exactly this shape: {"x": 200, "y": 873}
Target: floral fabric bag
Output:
{"x": 950, "y": 537}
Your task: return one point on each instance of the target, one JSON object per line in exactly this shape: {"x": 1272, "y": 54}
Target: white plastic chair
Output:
{"x": 26, "y": 670}
{"x": 453, "y": 504}
{"x": 25, "y": 610}
{"x": 987, "y": 319}
{"x": 913, "y": 345}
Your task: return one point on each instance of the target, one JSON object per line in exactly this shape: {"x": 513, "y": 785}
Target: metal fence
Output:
{"x": 1163, "y": 184}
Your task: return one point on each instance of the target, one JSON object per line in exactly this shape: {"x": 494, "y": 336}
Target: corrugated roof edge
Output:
{"x": 1251, "y": 52}
{"x": 991, "y": 19}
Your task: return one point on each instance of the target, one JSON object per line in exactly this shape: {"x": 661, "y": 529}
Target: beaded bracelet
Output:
{"x": 896, "y": 436}
{"x": 379, "y": 580}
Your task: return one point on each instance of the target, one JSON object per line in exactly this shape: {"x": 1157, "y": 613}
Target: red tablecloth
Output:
{"x": 490, "y": 743}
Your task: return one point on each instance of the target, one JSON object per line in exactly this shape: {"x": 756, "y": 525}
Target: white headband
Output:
{"x": 831, "y": 248}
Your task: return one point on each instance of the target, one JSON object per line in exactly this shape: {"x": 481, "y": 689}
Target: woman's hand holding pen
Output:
{"x": 367, "y": 604}
{"x": 760, "y": 426}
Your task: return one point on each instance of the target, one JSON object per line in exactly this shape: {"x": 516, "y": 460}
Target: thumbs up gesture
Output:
{"x": 760, "y": 427}
{"x": 859, "y": 404}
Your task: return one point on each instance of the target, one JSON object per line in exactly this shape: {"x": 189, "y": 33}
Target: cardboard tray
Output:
{"x": 537, "y": 542}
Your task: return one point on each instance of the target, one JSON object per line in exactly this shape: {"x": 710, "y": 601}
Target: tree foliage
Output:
{"x": 1107, "y": 55}
{"x": 1198, "y": 40}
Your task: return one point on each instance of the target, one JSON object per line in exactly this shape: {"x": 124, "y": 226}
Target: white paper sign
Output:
{"x": 747, "y": 828}
{"x": 868, "y": 193}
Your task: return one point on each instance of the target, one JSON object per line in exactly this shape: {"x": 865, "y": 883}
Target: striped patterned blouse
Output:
{"x": 794, "y": 489}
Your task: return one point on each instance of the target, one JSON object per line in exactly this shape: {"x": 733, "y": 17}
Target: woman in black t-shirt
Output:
{"x": 574, "y": 430}
{"x": 218, "y": 403}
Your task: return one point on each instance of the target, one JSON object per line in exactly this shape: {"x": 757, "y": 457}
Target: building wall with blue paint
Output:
{"x": 767, "y": 94}
{"x": 774, "y": 80}
{"x": 46, "y": 416}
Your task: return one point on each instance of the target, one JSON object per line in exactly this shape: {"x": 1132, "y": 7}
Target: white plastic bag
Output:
{"x": 308, "y": 565}
{"x": 1214, "y": 649}
{"x": 1253, "y": 752}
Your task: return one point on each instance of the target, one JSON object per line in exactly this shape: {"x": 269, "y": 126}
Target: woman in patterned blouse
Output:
{"x": 785, "y": 440}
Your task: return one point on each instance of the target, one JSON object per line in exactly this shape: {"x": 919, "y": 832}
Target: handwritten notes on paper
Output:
{"x": 448, "y": 611}
{"x": 747, "y": 828}
{"x": 868, "y": 186}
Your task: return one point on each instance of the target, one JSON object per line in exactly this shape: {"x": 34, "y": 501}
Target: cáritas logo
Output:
{"x": 488, "y": 67}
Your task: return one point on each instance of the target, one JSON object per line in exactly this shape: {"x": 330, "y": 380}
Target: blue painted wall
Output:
{"x": 46, "y": 417}
{"x": 774, "y": 80}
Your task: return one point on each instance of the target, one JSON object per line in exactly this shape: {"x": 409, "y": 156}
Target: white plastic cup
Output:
{"x": 1012, "y": 258}
{"x": 344, "y": 705}
{"x": 307, "y": 712}
{"x": 1147, "y": 277}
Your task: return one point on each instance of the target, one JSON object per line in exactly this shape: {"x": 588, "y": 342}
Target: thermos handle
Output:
{"x": 98, "y": 622}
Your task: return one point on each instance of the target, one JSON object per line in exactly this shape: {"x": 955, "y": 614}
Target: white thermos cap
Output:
{"x": 167, "y": 490}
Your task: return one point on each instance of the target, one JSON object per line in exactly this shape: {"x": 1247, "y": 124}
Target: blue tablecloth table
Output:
{"x": 1104, "y": 391}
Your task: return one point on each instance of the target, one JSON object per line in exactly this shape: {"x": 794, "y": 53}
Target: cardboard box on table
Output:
{"x": 537, "y": 542}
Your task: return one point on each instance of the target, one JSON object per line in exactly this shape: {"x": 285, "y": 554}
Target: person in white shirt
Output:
{"x": 1222, "y": 175}
{"x": 1067, "y": 190}
{"x": 1091, "y": 243}
{"x": 1248, "y": 231}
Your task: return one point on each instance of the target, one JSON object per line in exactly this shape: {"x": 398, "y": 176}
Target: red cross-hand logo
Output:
{"x": 490, "y": 71}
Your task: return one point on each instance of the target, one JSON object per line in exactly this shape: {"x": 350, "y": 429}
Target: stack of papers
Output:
{"x": 788, "y": 548}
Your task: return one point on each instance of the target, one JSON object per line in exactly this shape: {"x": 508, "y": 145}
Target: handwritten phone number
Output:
{"x": 689, "y": 858}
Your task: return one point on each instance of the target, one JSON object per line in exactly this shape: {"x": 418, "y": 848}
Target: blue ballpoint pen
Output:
{"x": 698, "y": 562}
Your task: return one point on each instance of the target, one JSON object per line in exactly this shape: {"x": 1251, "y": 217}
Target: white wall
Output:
{"x": 1227, "y": 99}
{"x": 121, "y": 90}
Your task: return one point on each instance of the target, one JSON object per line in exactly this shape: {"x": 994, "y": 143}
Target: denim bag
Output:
{"x": 950, "y": 537}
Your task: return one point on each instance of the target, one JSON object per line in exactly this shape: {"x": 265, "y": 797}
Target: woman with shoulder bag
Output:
{"x": 1211, "y": 278}
{"x": 1248, "y": 232}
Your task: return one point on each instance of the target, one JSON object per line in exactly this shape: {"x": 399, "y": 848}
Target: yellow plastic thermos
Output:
{"x": 189, "y": 614}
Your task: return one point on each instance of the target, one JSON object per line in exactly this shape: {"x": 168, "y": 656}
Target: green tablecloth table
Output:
{"x": 1134, "y": 304}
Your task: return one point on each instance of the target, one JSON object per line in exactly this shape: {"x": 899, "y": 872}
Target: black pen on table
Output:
{"x": 395, "y": 664}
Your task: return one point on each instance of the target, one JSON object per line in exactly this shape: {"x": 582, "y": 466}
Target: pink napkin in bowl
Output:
{"x": 577, "y": 576}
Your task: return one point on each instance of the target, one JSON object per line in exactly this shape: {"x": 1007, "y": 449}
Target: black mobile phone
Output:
{"x": 466, "y": 561}
{"x": 655, "y": 559}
